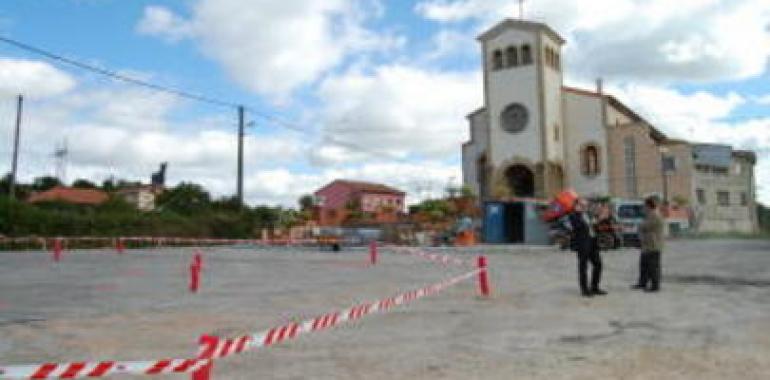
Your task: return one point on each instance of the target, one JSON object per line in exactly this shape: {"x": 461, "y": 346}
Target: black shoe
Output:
{"x": 598, "y": 292}
{"x": 586, "y": 294}
{"x": 637, "y": 287}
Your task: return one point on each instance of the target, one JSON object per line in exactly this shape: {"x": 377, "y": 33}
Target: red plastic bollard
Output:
{"x": 373, "y": 252}
{"x": 195, "y": 272}
{"x": 483, "y": 279}
{"x": 57, "y": 249}
{"x": 208, "y": 347}
{"x": 119, "y": 245}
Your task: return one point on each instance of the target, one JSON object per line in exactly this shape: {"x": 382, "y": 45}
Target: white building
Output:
{"x": 534, "y": 136}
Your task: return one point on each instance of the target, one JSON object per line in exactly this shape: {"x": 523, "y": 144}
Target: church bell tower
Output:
{"x": 523, "y": 101}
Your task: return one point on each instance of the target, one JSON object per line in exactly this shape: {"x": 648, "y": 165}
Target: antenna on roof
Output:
{"x": 60, "y": 153}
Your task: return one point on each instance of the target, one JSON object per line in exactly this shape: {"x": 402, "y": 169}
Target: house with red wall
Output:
{"x": 344, "y": 200}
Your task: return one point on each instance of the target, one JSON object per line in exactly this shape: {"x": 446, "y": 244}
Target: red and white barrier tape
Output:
{"x": 76, "y": 370}
{"x": 435, "y": 257}
{"x": 228, "y": 347}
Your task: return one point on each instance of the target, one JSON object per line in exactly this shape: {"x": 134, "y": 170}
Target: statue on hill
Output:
{"x": 159, "y": 177}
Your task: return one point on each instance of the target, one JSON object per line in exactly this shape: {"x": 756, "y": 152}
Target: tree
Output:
{"x": 227, "y": 204}
{"x": 306, "y": 202}
{"x": 5, "y": 184}
{"x": 45, "y": 183}
{"x": 81, "y": 183}
{"x": 108, "y": 185}
{"x": 185, "y": 198}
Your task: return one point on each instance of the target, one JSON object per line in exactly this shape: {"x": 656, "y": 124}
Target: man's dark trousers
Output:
{"x": 589, "y": 253}
{"x": 649, "y": 270}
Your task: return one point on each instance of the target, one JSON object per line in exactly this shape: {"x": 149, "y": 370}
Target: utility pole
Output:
{"x": 12, "y": 184}
{"x": 240, "y": 155}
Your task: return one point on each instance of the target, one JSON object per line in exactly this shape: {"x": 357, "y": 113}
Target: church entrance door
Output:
{"x": 521, "y": 181}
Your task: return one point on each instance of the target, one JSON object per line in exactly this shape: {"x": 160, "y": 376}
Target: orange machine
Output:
{"x": 562, "y": 204}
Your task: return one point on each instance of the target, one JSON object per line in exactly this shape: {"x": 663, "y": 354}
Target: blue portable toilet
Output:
{"x": 494, "y": 223}
{"x": 514, "y": 222}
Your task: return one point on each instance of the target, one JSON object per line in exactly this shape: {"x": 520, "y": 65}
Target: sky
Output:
{"x": 361, "y": 89}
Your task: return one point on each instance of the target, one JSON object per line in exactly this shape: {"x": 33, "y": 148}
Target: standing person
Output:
{"x": 651, "y": 238}
{"x": 583, "y": 241}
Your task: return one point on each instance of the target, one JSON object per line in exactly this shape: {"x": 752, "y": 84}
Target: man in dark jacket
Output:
{"x": 651, "y": 239}
{"x": 583, "y": 241}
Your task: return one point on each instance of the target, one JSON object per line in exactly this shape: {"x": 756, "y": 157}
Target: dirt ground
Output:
{"x": 711, "y": 320}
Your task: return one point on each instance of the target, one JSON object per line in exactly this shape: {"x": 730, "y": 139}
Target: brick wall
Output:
{"x": 648, "y": 160}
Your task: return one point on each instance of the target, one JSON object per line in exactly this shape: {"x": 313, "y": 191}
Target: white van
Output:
{"x": 629, "y": 214}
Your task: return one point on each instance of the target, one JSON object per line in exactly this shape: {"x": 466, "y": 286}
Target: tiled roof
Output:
{"x": 70, "y": 195}
{"x": 369, "y": 187}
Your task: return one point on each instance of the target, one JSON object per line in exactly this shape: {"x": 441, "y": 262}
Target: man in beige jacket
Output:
{"x": 651, "y": 238}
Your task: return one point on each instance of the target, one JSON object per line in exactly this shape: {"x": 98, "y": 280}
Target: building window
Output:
{"x": 629, "y": 150}
{"x": 557, "y": 61}
{"x": 723, "y": 198}
{"x": 701, "y": 196}
{"x": 590, "y": 161}
{"x": 668, "y": 164}
{"x": 744, "y": 199}
{"x": 512, "y": 56}
{"x": 526, "y": 55}
{"x": 497, "y": 60}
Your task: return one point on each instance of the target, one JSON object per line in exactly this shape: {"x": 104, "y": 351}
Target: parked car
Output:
{"x": 630, "y": 215}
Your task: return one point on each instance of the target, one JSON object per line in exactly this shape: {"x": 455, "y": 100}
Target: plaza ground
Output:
{"x": 711, "y": 321}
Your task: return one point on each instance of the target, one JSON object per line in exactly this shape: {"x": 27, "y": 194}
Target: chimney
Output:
{"x": 599, "y": 86}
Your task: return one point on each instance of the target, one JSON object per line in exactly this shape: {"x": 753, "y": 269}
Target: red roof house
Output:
{"x": 71, "y": 195}
{"x": 340, "y": 199}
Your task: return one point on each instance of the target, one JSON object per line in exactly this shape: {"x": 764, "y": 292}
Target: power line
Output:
{"x": 346, "y": 144}
{"x": 197, "y": 97}
{"x": 116, "y": 75}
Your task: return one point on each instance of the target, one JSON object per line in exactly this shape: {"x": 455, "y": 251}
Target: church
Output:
{"x": 534, "y": 136}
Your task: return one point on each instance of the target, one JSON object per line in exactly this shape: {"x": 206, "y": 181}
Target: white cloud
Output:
{"x": 764, "y": 100}
{"x": 681, "y": 115}
{"x": 399, "y": 109}
{"x": 160, "y": 22}
{"x": 32, "y": 78}
{"x": 698, "y": 40}
{"x": 273, "y": 47}
{"x": 448, "y": 43}
{"x": 419, "y": 179}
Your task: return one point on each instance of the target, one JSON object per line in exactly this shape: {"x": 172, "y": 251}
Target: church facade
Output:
{"x": 534, "y": 136}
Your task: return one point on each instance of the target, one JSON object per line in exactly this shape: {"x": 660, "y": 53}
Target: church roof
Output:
{"x": 519, "y": 24}
{"x": 478, "y": 110}
{"x": 621, "y": 107}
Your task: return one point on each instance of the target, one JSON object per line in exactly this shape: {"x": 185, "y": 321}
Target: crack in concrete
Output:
{"x": 716, "y": 280}
{"x": 620, "y": 328}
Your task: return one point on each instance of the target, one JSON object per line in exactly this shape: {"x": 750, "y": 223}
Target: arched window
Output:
{"x": 497, "y": 60}
{"x": 526, "y": 55}
{"x": 512, "y": 56}
{"x": 590, "y": 161}
{"x": 557, "y": 61}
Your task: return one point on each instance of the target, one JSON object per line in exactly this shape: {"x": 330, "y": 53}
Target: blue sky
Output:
{"x": 396, "y": 77}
